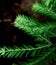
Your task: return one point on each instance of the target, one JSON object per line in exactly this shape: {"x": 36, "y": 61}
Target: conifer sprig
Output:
{"x": 35, "y": 28}
{"x": 43, "y": 58}
{"x": 20, "y": 51}
{"x": 38, "y": 8}
{"x": 51, "y": 4}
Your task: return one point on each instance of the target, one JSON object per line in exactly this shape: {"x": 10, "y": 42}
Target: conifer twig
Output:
{"x": 33, "y": 27}
{"x": 41, "y": 58}
{"x": 20, "y": 51}
{"x": 38, "y": 8}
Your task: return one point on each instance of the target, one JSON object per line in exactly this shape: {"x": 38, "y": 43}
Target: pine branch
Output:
{"x": 38, "y": 8}
{"x": 42, "y": 58}
{"x": 32, "y": 26}
{"x": 51, "y": 4}
{"x": 20, "y": 51}
{"x": 35, "y": 28}
{"x": 48, "y": 3}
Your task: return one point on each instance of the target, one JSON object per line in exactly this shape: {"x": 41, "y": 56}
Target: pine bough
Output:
{"x": 44, "y": 52}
